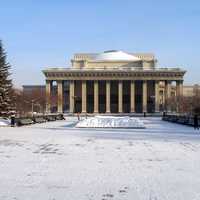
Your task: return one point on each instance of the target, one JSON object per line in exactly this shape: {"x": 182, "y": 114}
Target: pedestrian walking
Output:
{"x": 12, "y": 120}
{"x": 196, "y": 122}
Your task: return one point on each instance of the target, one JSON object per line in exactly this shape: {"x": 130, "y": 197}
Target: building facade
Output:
{"x": 191, "y": 90}
{"x": 112, "y": 82}
{"x": 30, "y": 89}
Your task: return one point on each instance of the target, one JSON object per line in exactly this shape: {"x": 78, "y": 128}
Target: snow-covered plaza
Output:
{"x": 57, "y": 161}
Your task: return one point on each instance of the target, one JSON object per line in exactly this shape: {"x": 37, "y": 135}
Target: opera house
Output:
{"x": 112, "y": 82}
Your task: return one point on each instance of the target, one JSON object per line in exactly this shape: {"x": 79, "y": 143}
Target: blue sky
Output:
{"x": 43, "y": 33}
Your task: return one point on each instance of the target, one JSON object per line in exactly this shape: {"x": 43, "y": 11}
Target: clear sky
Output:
{"x": 46, "y": 33}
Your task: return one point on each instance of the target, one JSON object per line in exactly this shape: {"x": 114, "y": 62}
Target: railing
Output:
{"x": 180, "y": 119}
{"x": 114, "y": 69}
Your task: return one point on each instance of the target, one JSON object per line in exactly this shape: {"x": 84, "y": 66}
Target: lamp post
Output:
{"x": 32, "y": 104}
{"x": 40, "y": 109}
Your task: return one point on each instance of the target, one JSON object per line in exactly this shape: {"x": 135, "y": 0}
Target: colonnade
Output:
{"x": 179, "y": 91}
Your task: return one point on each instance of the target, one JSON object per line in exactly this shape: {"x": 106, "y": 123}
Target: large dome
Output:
{"x": 115, "y": 56}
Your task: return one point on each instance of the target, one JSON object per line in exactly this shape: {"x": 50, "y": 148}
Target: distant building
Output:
{"x": 37, "y": 94}
{"x": 30, "y": 89}
{"x": 191, "y": 90}
{"x": 112, "y": 82}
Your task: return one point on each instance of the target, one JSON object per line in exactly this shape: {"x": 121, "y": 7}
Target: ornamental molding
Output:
{"x": 114, "y": 75}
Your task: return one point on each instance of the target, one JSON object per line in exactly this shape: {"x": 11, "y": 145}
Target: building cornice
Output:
{"x": 113, "y": 74}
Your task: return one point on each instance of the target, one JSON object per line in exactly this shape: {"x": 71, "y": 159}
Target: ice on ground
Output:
{"x": 4, "y": 122}
{"x": 111, "y": 122}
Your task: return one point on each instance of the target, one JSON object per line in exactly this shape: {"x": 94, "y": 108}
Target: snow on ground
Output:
{"x": 56, "y": 161}
{"x": 111, "y": 122}
{"x": 4, "y": 122}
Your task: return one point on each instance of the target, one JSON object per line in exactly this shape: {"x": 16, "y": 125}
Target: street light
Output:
{"x": 40, "y": 108}
{"x": 32, "y": 104}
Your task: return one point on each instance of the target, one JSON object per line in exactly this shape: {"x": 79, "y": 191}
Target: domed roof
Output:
{"x": 115, "y": 56}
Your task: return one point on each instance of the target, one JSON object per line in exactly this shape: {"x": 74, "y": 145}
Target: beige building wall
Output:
{"x": 120, "y": 66}
{"x": 147, "y": 61}
{"x": 111, "y": 65}
{"x": 148, "y": 64}
{"x": 191, "y": 90}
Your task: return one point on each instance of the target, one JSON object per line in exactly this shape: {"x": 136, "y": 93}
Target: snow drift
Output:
{"x": 4, "y": 122}
{"x": 111, "y": 122}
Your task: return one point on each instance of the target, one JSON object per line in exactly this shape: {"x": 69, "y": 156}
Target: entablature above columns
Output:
{"x": 114, "y": 75}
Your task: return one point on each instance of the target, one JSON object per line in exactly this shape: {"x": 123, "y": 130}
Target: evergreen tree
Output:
{"x": 5, "y": 82}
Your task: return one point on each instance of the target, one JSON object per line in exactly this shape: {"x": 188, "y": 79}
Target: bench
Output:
{"x": 39, "y": 120}
{"x": 24, "y": 121}
{"x": 60, "y": 117}
{"x": 50, "y": 118}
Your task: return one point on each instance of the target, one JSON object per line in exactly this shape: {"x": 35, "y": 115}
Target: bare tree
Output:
{"x": 26, "y": 103}
{"x": 185, "y": 104}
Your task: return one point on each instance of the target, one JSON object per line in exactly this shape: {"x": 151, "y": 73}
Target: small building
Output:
{"x": 191, "y": 90}
{"x": 30, "y": 89}
{"x": 112, "y": 82}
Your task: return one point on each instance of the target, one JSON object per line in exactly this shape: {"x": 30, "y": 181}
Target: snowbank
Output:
{"x": 111, "y": 122}
{"x": 4, "y": 122}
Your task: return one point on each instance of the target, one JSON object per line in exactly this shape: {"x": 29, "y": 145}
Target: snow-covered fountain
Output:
{"x": 110, "y": 122}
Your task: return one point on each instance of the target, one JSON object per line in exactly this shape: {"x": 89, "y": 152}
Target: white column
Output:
{"x": 157, "y": 97}
{"x": 48, "y": 95}
{"x": 107, "y": 96}
{"x": 179, "y": 88}
{"x": 132, "y": 94}
{"x": 179, "y": 94}
{"x": 120, "y": 96}
{"x": 60, "y": 96}
{"x": 167, "y": 94}
{"x": 84, "y": 97}
{"x": 167, "y": 89}
{"x": 144, "y": 96}
{"x": 96, "y": 97}
{"x": 71, "y": 97}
